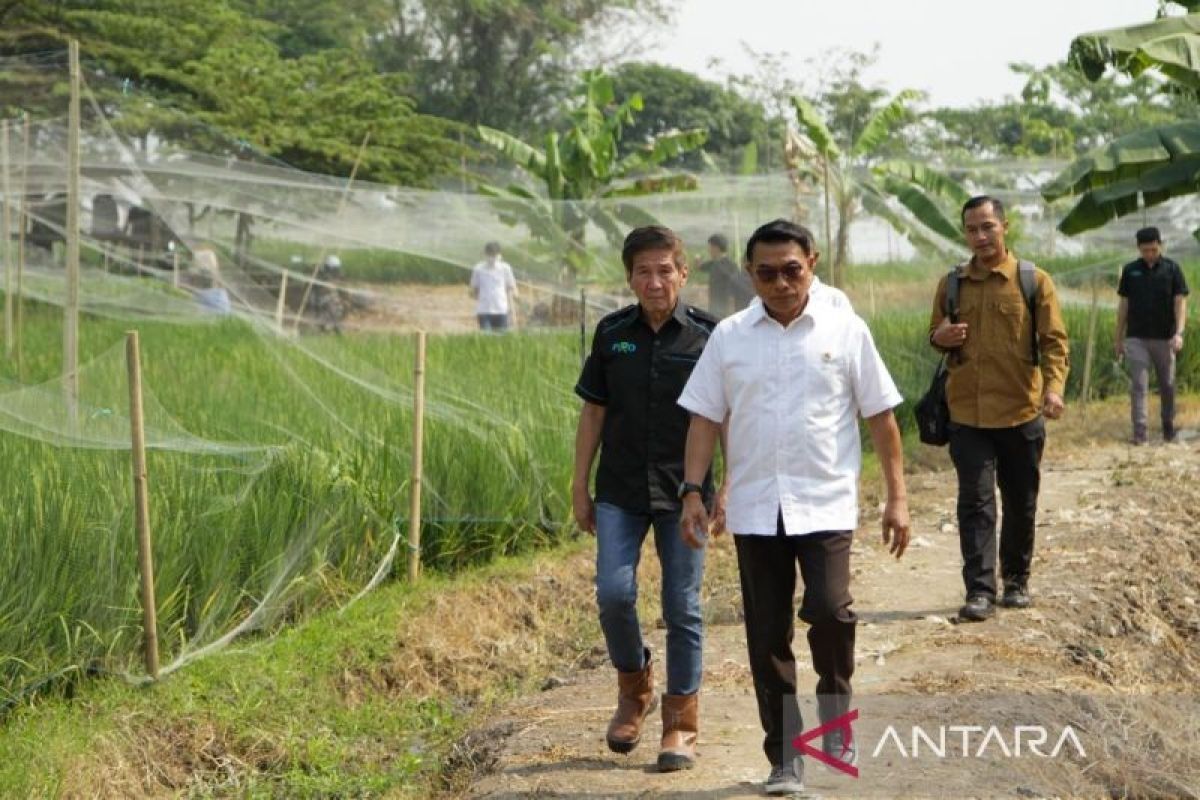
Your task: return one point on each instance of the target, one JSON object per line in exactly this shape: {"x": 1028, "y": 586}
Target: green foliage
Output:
{"x": 583, "y": 173}
{"x": 211, "y": 77}
{"x": 679, "y": 100}
{"x": 1152, "y": 165}
{"x": 319, "y": 512}
{"x": 507, "y": 64}
{"x": 847, "y": 147}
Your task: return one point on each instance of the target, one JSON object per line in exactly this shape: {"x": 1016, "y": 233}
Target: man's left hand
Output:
{"x": 896, "y": 525}
{"x": 1177, "y": 343}
{"x": 1052, "y": 405}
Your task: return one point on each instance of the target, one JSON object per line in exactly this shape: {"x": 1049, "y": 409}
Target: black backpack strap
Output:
{"x": 1027, "y": 274}
{"x": 952, "y": 281}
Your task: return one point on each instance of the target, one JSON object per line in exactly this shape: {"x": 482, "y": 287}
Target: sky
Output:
{"x": 956, "y": 50}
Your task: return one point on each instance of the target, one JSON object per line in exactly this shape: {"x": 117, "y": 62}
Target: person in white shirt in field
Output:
{"x": 789, "y": 376}
{"x": 494, "y": 289}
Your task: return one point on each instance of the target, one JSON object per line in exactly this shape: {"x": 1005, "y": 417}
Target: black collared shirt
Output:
{"x": 638, "y": 375}
{"x": 1151, "y": 294}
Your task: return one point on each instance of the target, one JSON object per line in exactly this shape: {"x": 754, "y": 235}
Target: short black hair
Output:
{"x": 781, "y": 230}
{"x": 491, "y": 249}
{"x": 719, "y": 241}
{"x": 652, "y": 237}
{"x": 983, "y": 200}
{"x": 1148, "y": 236}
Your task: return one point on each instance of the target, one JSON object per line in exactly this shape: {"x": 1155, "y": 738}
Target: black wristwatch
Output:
{"x": 686, "y": 488}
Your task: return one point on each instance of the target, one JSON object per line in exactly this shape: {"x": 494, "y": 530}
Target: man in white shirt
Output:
{"x": 790, "y": 375}
{"x": 494, "y": 289}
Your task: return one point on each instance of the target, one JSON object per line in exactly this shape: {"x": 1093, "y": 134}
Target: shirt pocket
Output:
{"x": 1011, "y": 324}
{"x": 828, "y": 383}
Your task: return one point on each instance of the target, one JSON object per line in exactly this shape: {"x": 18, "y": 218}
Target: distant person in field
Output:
{"x": 640, "y": 359}
{"x": 494, "y": 289}
{"x": 729, "y": 288}
{"x": 790, "y": 376}
{"x": 1150, "y": 322}
{"x": 1007, "y": 369}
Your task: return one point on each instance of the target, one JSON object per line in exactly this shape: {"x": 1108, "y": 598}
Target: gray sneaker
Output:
{"x": 786, "y": 778}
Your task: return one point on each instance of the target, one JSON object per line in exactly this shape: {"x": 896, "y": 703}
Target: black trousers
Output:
{"x": 767, "y": 567}
{"x": 985, "y": 458}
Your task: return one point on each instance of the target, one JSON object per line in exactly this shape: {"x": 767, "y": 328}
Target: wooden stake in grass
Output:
{"x": 282, "y": 304}
{"x": 1085, "y": 393}
{"x": 6, "y": 232}
{"x": 141, "y": 502}
{"x": 21, "y": 247}
{"x": 418, "y": 448}
{"x": 583, "y": 325}
{"x": 175, "y": 267}
{"x": 71, "y": 310}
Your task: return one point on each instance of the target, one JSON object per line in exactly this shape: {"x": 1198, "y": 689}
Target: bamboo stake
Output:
{"x": 414, "y": 508}
{"x": 828, "y": 223}
{"x": 21, "y": 223}
{"x": 280, "y": 306}
{"x": 71, "y": 321}
{"x": 6, "y": 232}
{"x": 141, "y": 500}
{"x": 1090, "y": 353}
{"x": 583, "y": 325}
{"x": 362, "y": 149}
{"x": 175, "y": 267}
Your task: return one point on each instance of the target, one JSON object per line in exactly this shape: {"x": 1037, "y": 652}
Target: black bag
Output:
{"x": 933, "y": 412}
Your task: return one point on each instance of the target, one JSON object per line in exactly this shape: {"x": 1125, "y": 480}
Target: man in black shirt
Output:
{"x": 641, "y": 358}
{"x": 1150, "y": 321}
{"x": 729, "y": 288}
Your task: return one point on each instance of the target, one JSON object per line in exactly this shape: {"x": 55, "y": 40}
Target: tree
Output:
{"x": 507, "y": 64}
{"x": 679, "y": 100}
{"x": 583, "y": 176}
{"x": 1150, "y": 166}
{"x": 857, "y": 176}
{"x": 210, "y": 77}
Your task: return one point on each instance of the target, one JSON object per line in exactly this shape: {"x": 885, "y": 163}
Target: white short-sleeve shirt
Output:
{"x": 493, "y": 281}
{"x": 793, "y": 397}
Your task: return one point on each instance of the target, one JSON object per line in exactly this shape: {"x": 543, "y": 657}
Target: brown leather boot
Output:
{"x": 635, "y": 701}
{"x": 681, "y": 727}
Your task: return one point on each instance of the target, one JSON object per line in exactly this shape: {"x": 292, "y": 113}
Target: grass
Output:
{"x": 303, "y": 522}
{"x": 369, "y": 702}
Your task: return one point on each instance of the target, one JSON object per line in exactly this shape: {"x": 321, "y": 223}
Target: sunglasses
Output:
{"x": 790, "y": 272}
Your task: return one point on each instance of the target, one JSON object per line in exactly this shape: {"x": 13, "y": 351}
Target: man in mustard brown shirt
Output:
{"x": 1008, "y": 366}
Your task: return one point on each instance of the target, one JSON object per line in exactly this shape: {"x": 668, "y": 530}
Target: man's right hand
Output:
{"x": 693, "y": 523}
{"x": 583, "y": 508}
{"x": 950, "y": 336}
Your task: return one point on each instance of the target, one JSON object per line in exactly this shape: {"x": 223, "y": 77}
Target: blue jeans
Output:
{"x": 619, "y": 537}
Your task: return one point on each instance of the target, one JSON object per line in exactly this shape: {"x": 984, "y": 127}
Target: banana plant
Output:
{"x": 1151, "y": 166}
{"x": 583, "y": 177}
{"x": 908, "y": 195}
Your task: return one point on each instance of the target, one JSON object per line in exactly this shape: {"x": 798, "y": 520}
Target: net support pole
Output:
{"x": 418, "y": 461}
{"x": 6, "y": 232}
{"x": 828, "y": 224}
{"x": 21, "y": 222}
{"x": 362, "y": 150}
{"x": 175, "y": 267}
{"x": 1085, "y": 391}
{"x": 141, "y": 503}
{"x": 71, "y": 307}
{"x": 583, "y": 325}
{"x": 282, "y": 304}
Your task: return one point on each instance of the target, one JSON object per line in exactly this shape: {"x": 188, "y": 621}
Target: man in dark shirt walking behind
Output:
{"x": 1150, "y": 320}
{"x": 641, "y": 358}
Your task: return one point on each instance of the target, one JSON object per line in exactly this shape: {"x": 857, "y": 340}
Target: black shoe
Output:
{"x": 785, "y": 779}
{"x": 836, "y": 746}
{"x": 1016, "y": 596}
{"x": 978, "y": 608}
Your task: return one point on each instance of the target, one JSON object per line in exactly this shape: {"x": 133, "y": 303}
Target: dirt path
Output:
{"x": 1095, "y": 625}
